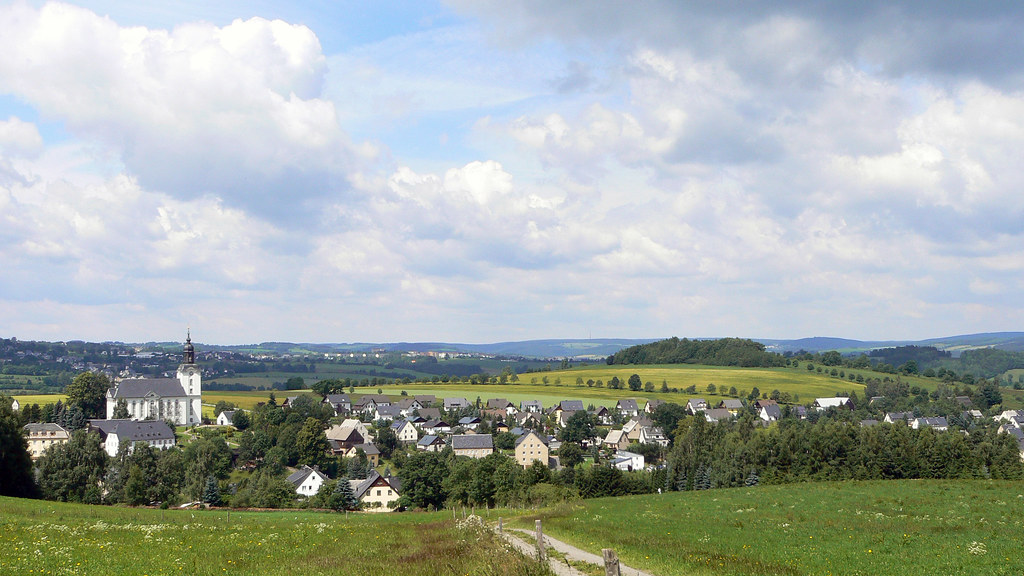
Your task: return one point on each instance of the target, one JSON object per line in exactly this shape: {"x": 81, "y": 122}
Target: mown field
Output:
{"x": 878, "y": 528}
{"x": 53, "y": 538}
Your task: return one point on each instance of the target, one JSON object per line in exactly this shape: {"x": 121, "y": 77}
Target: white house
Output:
{"x": 42, "y": 436}
{"x": 377, "y": 493}
{"x": 307, "y": 481}
{"x": 226, "y": 418}
{"x": 628, "y": 461}
{"x": 116, "y": 433}
{"x": 822, "y": 404}
{"x": 178, "y": 400}
{"x": 405, "y": 431}
{"x": 694, "y": 405}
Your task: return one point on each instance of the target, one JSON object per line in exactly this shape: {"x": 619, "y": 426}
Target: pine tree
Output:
{"x": 681, "y": 484}
{"x": 211, "y": 494}
{"x": 669, "y": 477}
{"x": 344, "y": 498}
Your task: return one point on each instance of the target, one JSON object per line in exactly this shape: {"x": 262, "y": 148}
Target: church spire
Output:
{"x": 190, "y": 351}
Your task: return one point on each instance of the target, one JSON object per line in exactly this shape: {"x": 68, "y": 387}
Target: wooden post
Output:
{"x": 611, "y": 562}
{"x": 542, "y": 554}
{"x": 499, "y": 525}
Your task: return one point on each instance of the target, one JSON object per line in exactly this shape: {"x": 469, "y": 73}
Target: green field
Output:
{"x": 850, "y": 528}
{"x": 53, "y": 538}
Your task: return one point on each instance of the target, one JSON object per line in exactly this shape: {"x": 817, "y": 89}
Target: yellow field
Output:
{"x": 41, "y": 399}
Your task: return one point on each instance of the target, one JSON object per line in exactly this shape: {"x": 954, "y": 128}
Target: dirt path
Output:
{"x": 528, "y": 546}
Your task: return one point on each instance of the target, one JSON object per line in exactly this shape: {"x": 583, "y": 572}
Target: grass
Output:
{"x": 54, "y": 538}
{"x": 849, "y": 528}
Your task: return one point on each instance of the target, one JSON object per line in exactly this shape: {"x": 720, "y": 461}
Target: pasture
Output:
{"x": 55, "y": 538}
{"x": 881, "y": 528}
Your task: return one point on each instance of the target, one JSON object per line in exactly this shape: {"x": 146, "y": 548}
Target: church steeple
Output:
{"x": 190, "y": 351}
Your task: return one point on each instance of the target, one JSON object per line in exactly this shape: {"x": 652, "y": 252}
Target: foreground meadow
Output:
{"x": 850, "y": 528}
{"x": 39, "y": 537}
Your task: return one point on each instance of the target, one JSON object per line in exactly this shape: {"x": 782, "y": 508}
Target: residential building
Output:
{"x": 530, "y": 448}
{"x": 473, "y": 445}
{"x": 307, "y": 481}
{"x": 117, "y": 433}
{"x": 42, "y": 436}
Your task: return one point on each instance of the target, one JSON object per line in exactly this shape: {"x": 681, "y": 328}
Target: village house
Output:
{"x": 718, "y": 415}
{"x": 652, "y": 405}
{"x": 342, "y": 438}
{"x": 455, "y": 403}
{"x": 769, "y": 413}
{"x": 503, "y": 405}
{"x": 436, "y": 427}
{"x": 431, "y": 443}
{"x": 340, "y": 403}
{"x": 695, "y": 405}
{"x": 567, "y": 406}
{"x": 370, "y": 450}
{"x": 602, "y": 414}
{"x": 469, "y": 423}
{"x": 616, "y": 439}
{"x": 42, "y": 436}
{"x": 628, "y": 461}
{"x": 530, "y": 448}
{"x": 117, "y": 433}
{"x": 226, "y": 418}
{"x": 406, "y": 432}
{"x": 360, "y": 426}
{"x": 377, "y": 493}
{"x": 307, "y": 481}
{"x": 390, "y": 412}
{"x": 839, "y": 403}
{"x": 473, "y": 445}
{"x": 533, "y": 406}
{"x": 733, "y": 405}
{"x": 901, "y": 417}
{"x": 627, "y": 407}
{"x": 939, "y": 424}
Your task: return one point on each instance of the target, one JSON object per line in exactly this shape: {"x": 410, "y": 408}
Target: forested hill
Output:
{"x": 721, "y": 352}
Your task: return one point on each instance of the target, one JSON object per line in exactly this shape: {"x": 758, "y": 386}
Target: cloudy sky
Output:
{"x": 482, "y": 171}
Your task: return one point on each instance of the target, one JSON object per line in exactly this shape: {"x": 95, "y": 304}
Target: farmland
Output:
{"x": 849, "y": 528}
{"x": 54, "y": 538}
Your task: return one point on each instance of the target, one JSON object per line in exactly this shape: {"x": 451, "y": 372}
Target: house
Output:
{"x": 371, "y": 451}
{"x": 562, "y": 417}
{"x": 534, "y": 406}
{"x": 469, "y": 422}
{"x": 406, "y": 432}
{"x": 455, "y": 403}
{"x": 377, "y": 493}
{"x": 901, "y": 417}
{"x": 42, "y": 436}
{"x": 502, "y": 404}
{"x": 939, "y": 424}
{"x": 839, "y": 403}
{"x": 527, "y": 420}
{"x": 436, "y": 427}
{"x": 718, "y": 415}
{"x": 429, "y": 413}
{"x": 530, "y": 448}
{"x": 178, "y": 400}
{"x": 117, "y": 433}
{"x": 694, "y": 405}
{"x": 973, "y": 414}
{"x": 733, "y": 405}
{"x": 568, "y": 406}
{"x": 307, "y": 481}
{"x": 226, "y": 418}
{"x": 616, "y": 439}
{"x": 628, "y": 461}
{"x": 431, "y": 443}
{"x": 963, "y": 401}
{"x": 633, "y": 426}
{"x": 602, "y": 414}
{"x": 424, "y": 401}
{"x": 868, "y": 423}
{"x": 342, "y": 438}
{"x": 799, "y": 411}
{"x": 15, "y": 405}
{"x": 288, "y": 401}
{"x": 388, "y": 412}
{"x": 762, "y": 402}
{"x": 340, "y": 403}
{"x": 652, "y": 405}
{"x": 769, "y": 413}
{"x": 361, "y": 427}
{"x": 473, "y": 445}
{"x": 652, "y": 435}
{"x": 627, "y": 407}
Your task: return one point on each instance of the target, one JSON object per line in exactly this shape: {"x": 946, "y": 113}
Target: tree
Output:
{"x": 311, "y": 443}
{"x": 570, "y": 454}
{"x": 71, "y": 472}
{"x": 386, "y": 441}
{"x": 343, "y": 497}
{"x": 121, "y": 409}
{"x": 423, "y": 479}
{"x": 211, "y": 494}
{"x": 295, "y": 383}
{"x": 15, "y": 462}
{"x": 241, "y": 420}
{"x": 88, "y": 391}
{"x": 635, "y": 383}
{"x": 614, "y": 383}
{"x": 579, "y": 428}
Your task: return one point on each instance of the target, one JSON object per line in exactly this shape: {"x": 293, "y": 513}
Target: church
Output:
{"x": 177, "y": 400}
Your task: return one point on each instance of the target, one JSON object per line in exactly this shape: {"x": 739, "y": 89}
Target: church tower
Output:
{"x": 191, "y": 378}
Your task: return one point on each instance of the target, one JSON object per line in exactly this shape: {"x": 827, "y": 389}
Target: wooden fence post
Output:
{"x": 611, "y": 562}
{"x": 499, "y": 525}
{"x": 542, "y": 554}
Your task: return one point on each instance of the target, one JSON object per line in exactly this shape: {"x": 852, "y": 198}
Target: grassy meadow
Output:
{"x": 876, "y": 528}
{"x": 55, "y": 538}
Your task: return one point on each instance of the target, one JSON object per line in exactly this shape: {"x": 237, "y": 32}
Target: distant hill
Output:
{"x": 1009, "y": 341}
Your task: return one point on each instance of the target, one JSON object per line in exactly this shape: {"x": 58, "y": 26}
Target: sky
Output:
{"x": 483, "y": 171}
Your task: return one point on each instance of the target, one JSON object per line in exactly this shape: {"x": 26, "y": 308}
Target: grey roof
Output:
{"x": 391, "y": 411}
{"x": 430, "y": 413}
{"x": 524, "y": 436}
{"x": 300, "y": 475}
{"x": 368, "y": 449}
{"x": 628, "y": 404}
{"x": 140, "y": 387}
{"x": 425, "y": 398}
{"x": 868, "y": 423}
{"x": 229, "y": 415}
{"x": 731, "y": 404}
{"x": 772, "y": 411}
{"x": 428, "y": 440}
{"x": 135, "y": 430}
{"x": 436, "y": 423}
{"x": 468, "y": 420}
{"x": 495, "y": 403}
{"x": 338, "y": 399}
{"x": 571, "y": 405}
{"x": 455, "y": 402}
{"x": 373, "y": 477}
{"x": 716, "y": 414}
{"x": 472, "y": 442}
{"x": 44, "y": 427}
{"x": 938, "y": 422}
{"x": 526, "y": 403}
